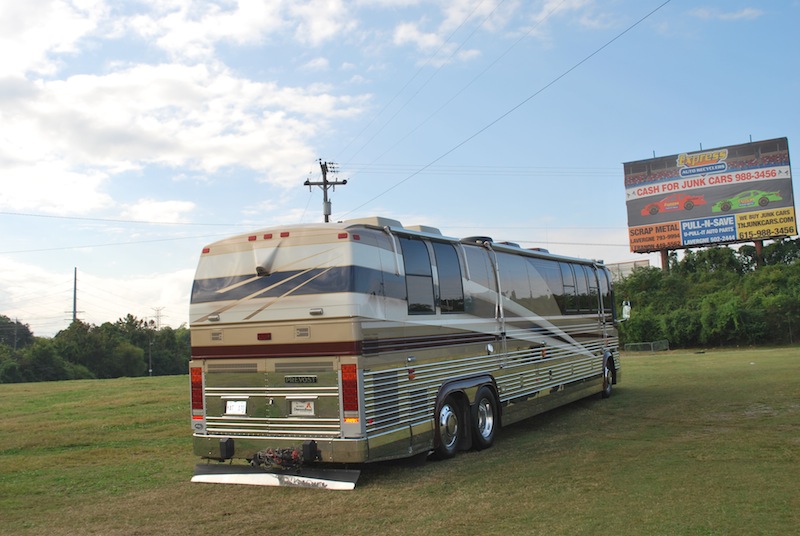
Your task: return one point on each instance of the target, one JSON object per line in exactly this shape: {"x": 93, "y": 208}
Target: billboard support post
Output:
{"x": 759, "y": 252}
{"x": 665, "y": 260}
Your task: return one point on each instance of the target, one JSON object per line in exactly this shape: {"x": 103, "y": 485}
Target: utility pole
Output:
{"x": 74, "y": 296}
{"x": 325, "y": 184}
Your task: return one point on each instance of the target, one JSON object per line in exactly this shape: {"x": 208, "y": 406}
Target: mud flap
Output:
{"x": 334, "y": 479}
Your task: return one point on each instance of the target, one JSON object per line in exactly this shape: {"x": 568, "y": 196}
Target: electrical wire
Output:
{"x": 510, "y": 111}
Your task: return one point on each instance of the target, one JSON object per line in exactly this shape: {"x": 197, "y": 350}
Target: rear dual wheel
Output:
{"x": 484, "y": 419}
{"x": 450, "y": 427}
{"x": 608, "y": 378}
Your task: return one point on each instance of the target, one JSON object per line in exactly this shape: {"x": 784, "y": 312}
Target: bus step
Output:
{"x": 335, "y": 479}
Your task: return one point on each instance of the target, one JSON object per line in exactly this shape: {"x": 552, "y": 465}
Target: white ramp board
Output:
{"x": 334, "y": 479}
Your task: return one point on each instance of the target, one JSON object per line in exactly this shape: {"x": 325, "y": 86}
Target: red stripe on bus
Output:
{"x": 278, "y": 350}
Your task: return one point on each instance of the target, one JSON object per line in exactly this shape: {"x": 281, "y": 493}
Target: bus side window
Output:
{"x": 419, "y": 278}
{"x": 605, "y": 291}
{"x": 550, "y": 298}
{"x": 584, "y": 299}
{"x": 451, "y": 291}
{"x": 594, "y": 293}
{"x": 570, "y": 297}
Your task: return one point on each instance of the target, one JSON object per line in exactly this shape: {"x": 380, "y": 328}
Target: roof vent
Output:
{"x": 373, "y": 221}
{"x": 424, "y": 229}
{"x": 476, "y": 240}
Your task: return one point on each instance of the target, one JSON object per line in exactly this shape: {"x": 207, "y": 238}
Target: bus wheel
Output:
{"x": 449, "y": 428}
{"x": 484, "y": 419}
{"x": 608, "y": 378}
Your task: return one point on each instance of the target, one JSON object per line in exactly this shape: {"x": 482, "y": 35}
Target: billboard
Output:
{"x": 739, "y": 193}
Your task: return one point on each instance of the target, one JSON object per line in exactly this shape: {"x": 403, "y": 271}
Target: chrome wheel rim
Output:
{"x": 448, "y": 426}
{"x": 485, "y": 422}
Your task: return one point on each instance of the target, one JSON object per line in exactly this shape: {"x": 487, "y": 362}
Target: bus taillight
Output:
{"x": 350, "y": 393}
{"x": 196, "y": 374}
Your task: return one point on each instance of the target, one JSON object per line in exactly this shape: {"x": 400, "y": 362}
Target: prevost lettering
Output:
{"x": 300, "y": 379}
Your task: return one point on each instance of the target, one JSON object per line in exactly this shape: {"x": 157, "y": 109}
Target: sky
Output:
{"x": 134, "y": 133}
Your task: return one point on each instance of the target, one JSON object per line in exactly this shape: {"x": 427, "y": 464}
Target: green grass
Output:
{"x": 690, "y": 443}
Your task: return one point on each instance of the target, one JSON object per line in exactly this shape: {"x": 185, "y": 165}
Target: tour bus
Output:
{"x": 364, "y": 340}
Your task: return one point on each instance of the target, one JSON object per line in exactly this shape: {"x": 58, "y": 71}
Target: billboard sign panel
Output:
{"x": 739, "y": 193}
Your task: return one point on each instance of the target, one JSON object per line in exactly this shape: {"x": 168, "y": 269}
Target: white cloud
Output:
{"x": 317, "y": 64}
{"x": 201, "y": 117}
{"x": 31, "y": 32}
{"x": 187, "y": 29}
{"x": 158, "y": 211}
{"x": 748, "y": 13}
{"x": 50, "y": 188}
{"x": 410, "y": 33}
{"x": 318, "y": 21}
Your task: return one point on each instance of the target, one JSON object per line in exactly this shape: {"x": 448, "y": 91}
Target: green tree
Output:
{"x": 41, "y": 362}
{"x": 14, "y": 333}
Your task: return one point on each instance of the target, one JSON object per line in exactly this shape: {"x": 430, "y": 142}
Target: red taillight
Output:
{"x": 196, "y": 374}
{"x": 350, "y": 393}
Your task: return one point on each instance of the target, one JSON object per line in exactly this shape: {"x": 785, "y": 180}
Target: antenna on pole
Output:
{"x": 324, "y": 184}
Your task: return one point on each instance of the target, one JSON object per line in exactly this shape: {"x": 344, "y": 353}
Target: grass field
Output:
{"x": 689, "y": 443}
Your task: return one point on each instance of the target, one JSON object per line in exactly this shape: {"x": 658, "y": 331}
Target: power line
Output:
{"x": 113, "y": 220}
{"x": 474, "y": 79}
{"x": 427, "y": 62}
{"x": 511, "y": 110}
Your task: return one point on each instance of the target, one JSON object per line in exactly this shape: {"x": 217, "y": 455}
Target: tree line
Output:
{"x": 716, "y": 297}
{"x": 128, "y": 347}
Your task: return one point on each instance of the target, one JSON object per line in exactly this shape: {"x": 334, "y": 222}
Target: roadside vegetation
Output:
{"x": 716, "y": 297}
{"x": 128, "y": 347}
{"x": 690, "y": 443}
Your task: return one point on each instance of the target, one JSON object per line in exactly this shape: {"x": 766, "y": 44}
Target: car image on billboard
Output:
{"x": 746, "y": 199}
{"x": 673, "y": 203}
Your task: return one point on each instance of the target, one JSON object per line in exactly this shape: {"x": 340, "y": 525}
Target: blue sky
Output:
{"x": 133, "y": 133}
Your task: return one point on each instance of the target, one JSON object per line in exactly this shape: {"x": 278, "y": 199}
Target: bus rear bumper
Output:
{"x": 215, "y": 447}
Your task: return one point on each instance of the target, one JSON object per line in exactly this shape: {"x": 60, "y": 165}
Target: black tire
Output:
{"x": 485, "y": 419}
{"x": 448, "y": 428}
{"x": 653, "y": 210}
{"x": 725, "y": 206}
{"x": 763, "y": 202}
{"x": 688, "y": 205}
{"x": 608, "y": 378}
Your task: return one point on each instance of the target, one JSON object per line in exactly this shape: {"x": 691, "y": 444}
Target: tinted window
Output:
{"x": 419, "y": 281}
{"x": 480, "y": 269}
{"x": 605, "y": 289}
{"x": 570, "y": 298}
{"x": 514, "y": 278}
{"x": 546, "y": 285}
{"x": 451, "y": 292}
{"x": 582, "y": 287}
